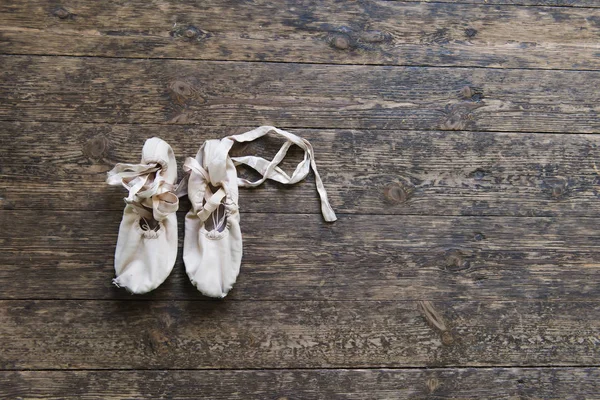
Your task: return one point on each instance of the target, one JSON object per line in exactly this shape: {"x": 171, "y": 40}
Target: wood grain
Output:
{"x": 546, "y": 3}
{"x": 264, "y": 334}
{"x": 366, "y": 32}
{"x": 100, "y": 90}
{"x": 455, "y": 137}
{"x": 69, "y": 255}
{"x": 63, "y": 166}
{"x": 463, "y": 383}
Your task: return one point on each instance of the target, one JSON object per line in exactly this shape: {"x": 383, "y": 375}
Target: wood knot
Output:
{"x": 459, "y": 115}
{"x": 62, "y": 13}
{"x": 471, "y": 93}
{"x": 454, "y": 261}
{"x": 182, "y": 88}
{"x": 440, "y": 36}
{"x": 340, "y": 41}
{"x": 96, "y": 147}
{"x": 436, "y": 321}
{"x": 447, "y": 338}
{"x": 470, "y": 32}
{"x": 398, "y": 192}
{"x": 478, "y": 174}
{"x": 157, "y": 341}
{"x": 181, "y": 92}
{"x": 190, "y": 33}
{"x": 432, "y": 384}
{"x": 559, "y": 190}
{"x": 557, "y": 187}
{"x": 347, "y": 38}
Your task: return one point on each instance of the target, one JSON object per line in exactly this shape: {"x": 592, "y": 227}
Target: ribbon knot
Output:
{"x": 147, "y": 189}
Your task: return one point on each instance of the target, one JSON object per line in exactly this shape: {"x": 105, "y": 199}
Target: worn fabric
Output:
{"x": 147, "y": 242}
{"x": 213, "y": 255}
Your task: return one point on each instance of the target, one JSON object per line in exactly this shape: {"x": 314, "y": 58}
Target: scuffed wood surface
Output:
{"x": 455, "y": 137}
{"x": 360, "y": 384}
{"x": 63, "y": 166}
{"x": 264, "y": 334}
{"x": 101, "y": 90}
{"x": 365, "y": 32}
{"x": 69, "y": 255}
{"x": 547, "y": 3}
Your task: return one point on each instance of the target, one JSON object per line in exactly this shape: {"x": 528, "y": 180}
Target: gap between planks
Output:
{"x": 362, "y": 64}
{"x": 412, "y": 368}
{"x": 288, "y": 126}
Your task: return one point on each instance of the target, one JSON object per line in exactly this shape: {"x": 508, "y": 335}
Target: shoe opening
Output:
{"x": 149, "y": 224}
{"x": 217, "y": 221}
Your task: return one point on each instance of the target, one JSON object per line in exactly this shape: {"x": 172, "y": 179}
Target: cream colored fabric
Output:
{"x": 213, "y": 256}
{"x": 144, "y": 257}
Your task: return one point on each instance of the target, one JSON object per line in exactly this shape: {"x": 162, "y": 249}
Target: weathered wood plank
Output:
{"x": 546, "y": 3}
{"x": 69, "y": 255}
{"x": 79, "y": 89}
{"x": 62, "y": 166}
{"x": 264, "y": 334}
{"x": 446, "y": 383}
{"x": 372, "y": 32}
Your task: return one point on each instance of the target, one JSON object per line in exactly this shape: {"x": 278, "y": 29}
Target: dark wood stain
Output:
{"x": 457, "y": 33}
{"x": 371, "y": 257}
{"x": 296, "y": 334}
{"x": 366, "y": 171}
{"x": 337, "y": 384}
{"x": 456, "y": 139}
{"x": 296, "y": 95}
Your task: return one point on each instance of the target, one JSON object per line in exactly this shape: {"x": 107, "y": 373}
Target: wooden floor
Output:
{"x": 458, "y": 143}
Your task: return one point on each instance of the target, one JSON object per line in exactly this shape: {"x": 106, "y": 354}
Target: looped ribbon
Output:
{"x": 212, "y": 201}
{"x": 268, "y": 169}
{"x": 271, "y": 170}
{"x": 143, "y": 194}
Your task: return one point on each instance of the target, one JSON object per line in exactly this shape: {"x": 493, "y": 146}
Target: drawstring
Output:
{"x": 146, "y": 226}
{"x": 218, "y": 223}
